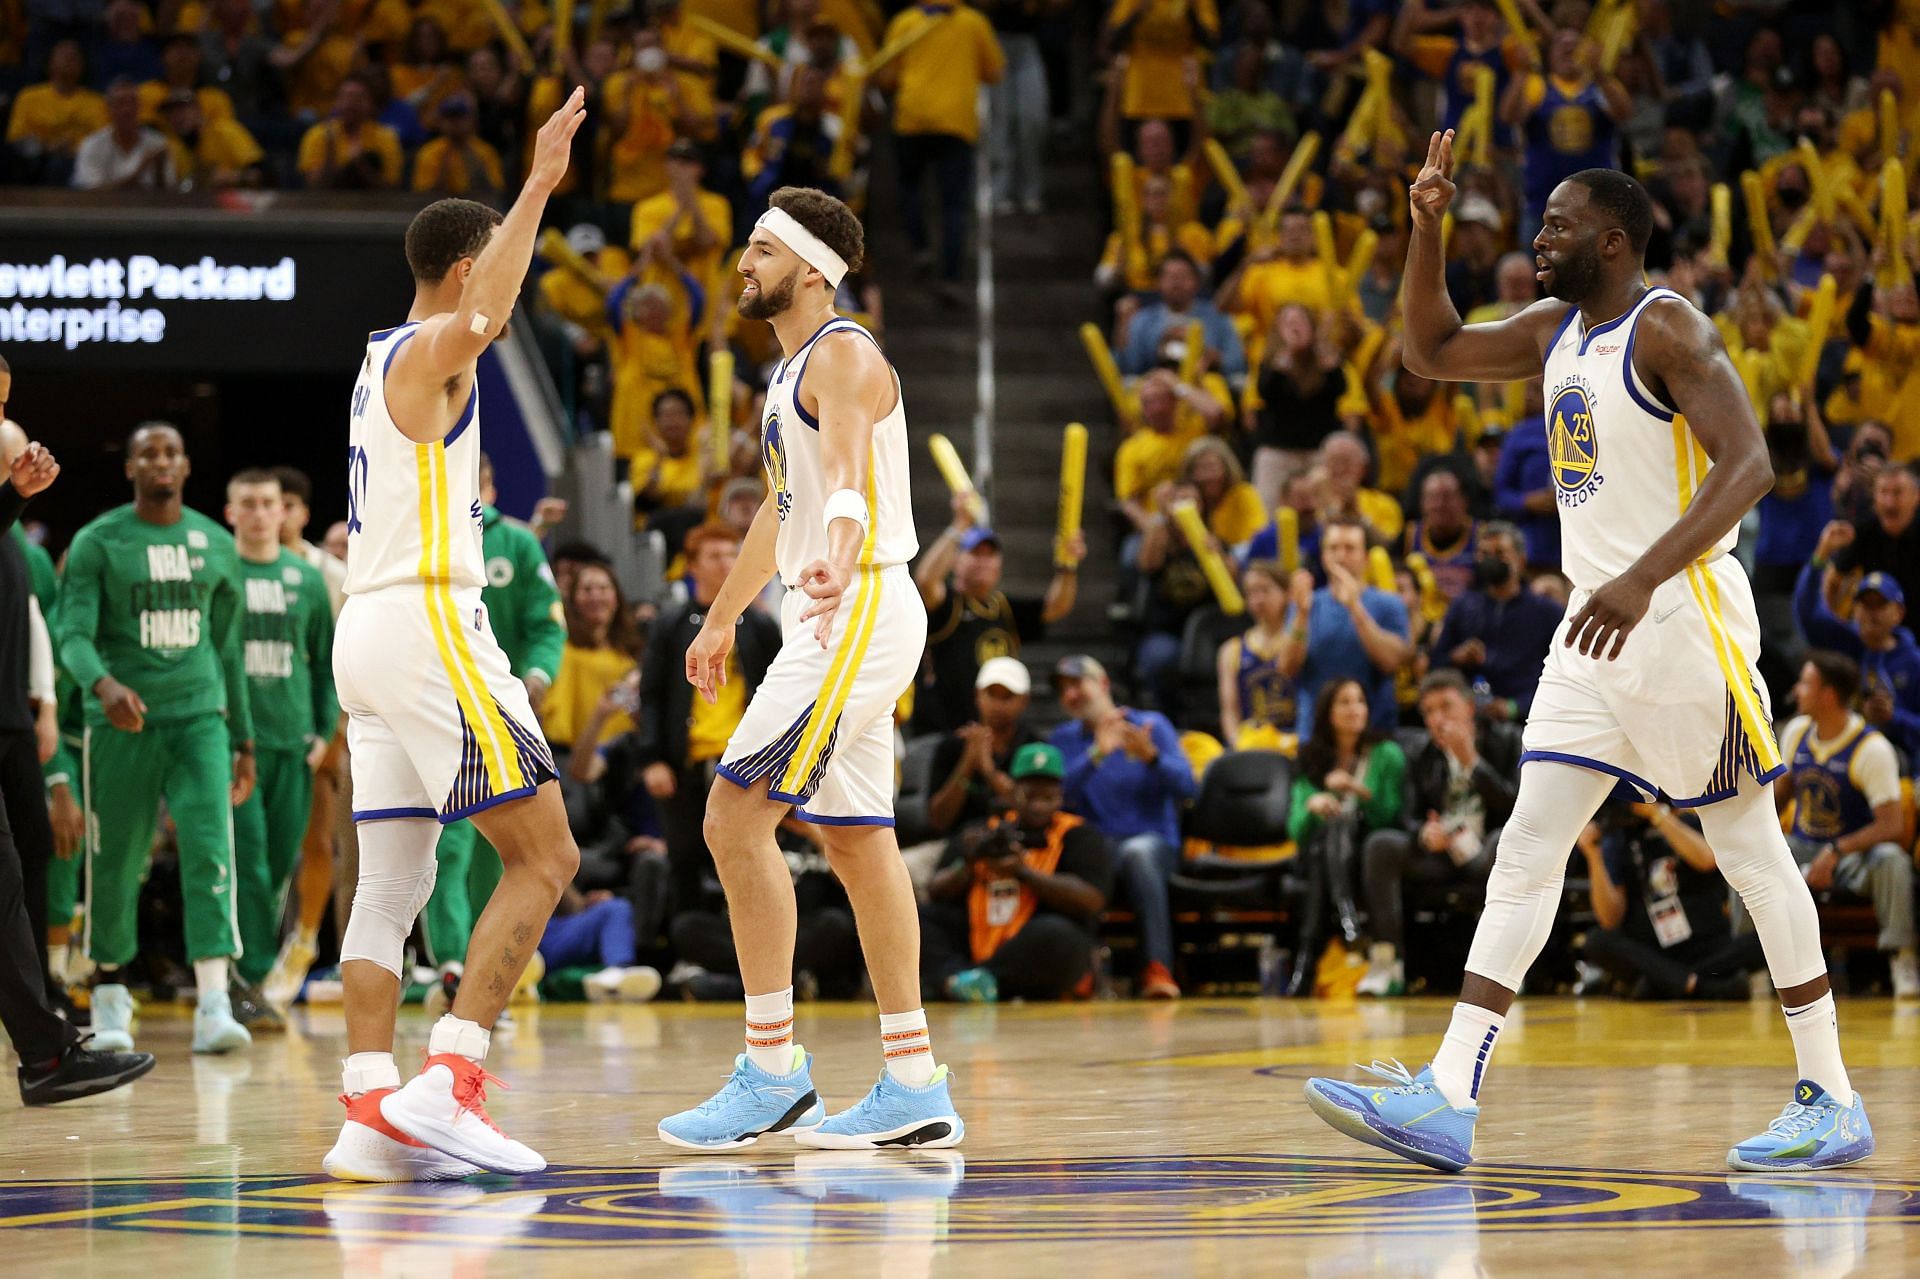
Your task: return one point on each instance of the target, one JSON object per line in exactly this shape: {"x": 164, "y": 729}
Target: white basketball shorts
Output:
{"x": 820, "y": 727}
{"x": 437, "y": 724}
{"x": 1682, "y": 712}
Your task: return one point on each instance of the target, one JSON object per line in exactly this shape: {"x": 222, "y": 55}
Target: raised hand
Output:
{"x": 1432, "y": 191}
{"x": 553, "y": 146}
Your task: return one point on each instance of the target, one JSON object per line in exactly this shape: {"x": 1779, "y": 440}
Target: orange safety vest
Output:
{"x": 998, "y": 908}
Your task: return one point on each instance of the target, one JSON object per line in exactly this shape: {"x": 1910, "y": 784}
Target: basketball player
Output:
{"x": 1652, "y": 681}
{"x": 438, "y": 728}
{"x": 818, "y": 735}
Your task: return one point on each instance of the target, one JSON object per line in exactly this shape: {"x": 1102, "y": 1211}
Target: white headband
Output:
{"x": 784, "y": 227}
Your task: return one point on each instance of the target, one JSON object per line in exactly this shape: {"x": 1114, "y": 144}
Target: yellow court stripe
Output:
{"x": 491, "y": 717}
{"x": 838, "y": 683}
{"x": 428, "y": 458}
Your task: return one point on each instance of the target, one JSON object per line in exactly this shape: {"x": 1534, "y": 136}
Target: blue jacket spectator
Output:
{"x": 1179, "y": 305}
{"x": 1353, "y": 631}
{"x": 1523, "y": 489}
{"x": 1888, "y": 657}
{"x": 1500, "y": 631}
{"x": 1127, "y": 775}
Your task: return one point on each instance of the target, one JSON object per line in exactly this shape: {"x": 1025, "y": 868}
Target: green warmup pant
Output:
{"x": 469, "y": 869}
{"x": 190, "y": 762}
{"x": 63, "y": 890}
{"x": 267, "y": 831}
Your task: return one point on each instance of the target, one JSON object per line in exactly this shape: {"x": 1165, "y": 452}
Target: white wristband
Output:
{"x": 847, "y": 504}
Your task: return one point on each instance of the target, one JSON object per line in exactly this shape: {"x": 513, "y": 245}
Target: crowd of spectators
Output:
{"x": 1388, "y": 544}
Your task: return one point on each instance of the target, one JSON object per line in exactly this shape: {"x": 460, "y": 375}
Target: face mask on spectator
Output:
{"x": 1492, "y": 570}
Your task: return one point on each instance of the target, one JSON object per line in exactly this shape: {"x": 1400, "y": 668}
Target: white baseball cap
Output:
{"x": 1009, "y": 673}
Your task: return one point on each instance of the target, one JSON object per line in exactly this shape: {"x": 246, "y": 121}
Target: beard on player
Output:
{"x": 762, "y": 303}
{"x": 1571, "y": 276}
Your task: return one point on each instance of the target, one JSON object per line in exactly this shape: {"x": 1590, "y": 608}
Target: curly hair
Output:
{"x": 836, "y": 225}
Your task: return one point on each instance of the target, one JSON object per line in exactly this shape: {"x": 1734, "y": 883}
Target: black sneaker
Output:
{"x": 79, "y": 1072}
{"x": 251, "y": 1009}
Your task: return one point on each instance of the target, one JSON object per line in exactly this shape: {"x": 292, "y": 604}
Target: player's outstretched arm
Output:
{"x": 446, "y": 346}
{"x": 854, "y": 388}
{"x": 1437, "y": 345}
{"x": 1682, "y": 358}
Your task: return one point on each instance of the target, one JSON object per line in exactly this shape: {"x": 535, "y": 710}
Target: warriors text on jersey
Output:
{"x": 790, "y": 448}
{"x": 1683, "y": 710}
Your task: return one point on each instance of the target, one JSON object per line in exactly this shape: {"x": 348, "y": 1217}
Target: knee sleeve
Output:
{"x": 1523, "y": 892}
{"x": 1744, "y": 833}
{"x": 397, "y": 871}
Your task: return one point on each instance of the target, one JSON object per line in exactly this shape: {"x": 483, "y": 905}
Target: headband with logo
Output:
{"x": 784, "y": 227}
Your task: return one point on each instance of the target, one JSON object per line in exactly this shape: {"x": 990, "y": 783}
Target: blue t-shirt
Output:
{"x": 1123, "y": 796}
{"x": 1334, "y": 652}
{"x": 1525, "y": 468}
{"x": 1790, "y": 526}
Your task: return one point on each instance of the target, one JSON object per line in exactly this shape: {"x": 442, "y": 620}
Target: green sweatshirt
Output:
{"x": 1385, "y": 780}
{"x": 39, "y": 572}
{"x": 289, "y": 652}
{"x": 156, "y": 606}
{"x": 522, "y": 601}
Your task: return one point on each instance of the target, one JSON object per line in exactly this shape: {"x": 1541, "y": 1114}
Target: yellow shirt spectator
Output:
{"x": 691, "y": 48}
{"x": 650, "y": 352}
{"x": 713, "y": 722}
{"x": 699, "y": 242}
{"x": 1238, "y": 516}
{"x": 222, "y": 147}
{"x": 938, "y": 80}
{"x": 1143, "y": 264}
{"x": 315, "y": 79}
{"x": 1890, "y": 383}
{"x": 57, "y": 121}
{"x": 1401, "y": 440}
{"x": 214, "y": 103}
{"x": 1160, "y": 39}
{"x": 584, "y": 678}
{"x": 738, "y": 15}
{"x": 454, "y": 169}
{"x": 1268, "y": 286}
{"x": 580, "y": 302}
{"x": 637, "y": 158}
{"x": 331, "y": 145}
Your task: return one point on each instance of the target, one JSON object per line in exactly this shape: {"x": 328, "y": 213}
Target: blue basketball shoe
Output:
{"x": 1412, "y": 1119}
{"x": 893, "y": 1114}
{"x": 1814, "y": 1131}
{"x": 752, "y": 1104}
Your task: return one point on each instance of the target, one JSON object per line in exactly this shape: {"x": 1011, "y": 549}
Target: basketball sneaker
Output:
{"x": 371, "y": 1149}
{"x": 81, "y": 1070}
{"x": 289, "y": 971}
{"x": 622, "y": 985}
{"x": 445, "y": 1106}
{"x": 214, "y": 1027}
{"x": 1411, "y": 1119}
{"x": 752, "y": 1104}
{"x": 974, "y": 986}
{"x": 112, "y": 1012}
{"x": 1814, "y": 1131}
{"x": 893, "y": 1114}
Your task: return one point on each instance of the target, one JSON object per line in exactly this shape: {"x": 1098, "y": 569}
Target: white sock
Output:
{"x": 368, "y": 1072}
{"x": 908, "y": 1049}
{"x": 57, "y": 960}
{"x": 464, "y": 1038}
{"x": 210, "y": 977}
{"x": 1464, "y": 1054}
{"x": 1815, "y": 1028}
{"x": 770, "y": 1032}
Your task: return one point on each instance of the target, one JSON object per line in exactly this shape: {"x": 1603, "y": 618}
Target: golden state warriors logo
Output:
{"x": 773, "y": 454}
{"x": 1573, "y": 447}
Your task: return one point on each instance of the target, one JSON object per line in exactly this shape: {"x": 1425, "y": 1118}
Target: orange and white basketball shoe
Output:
{"x": 445, "y": 1106}
{"x": 371, "y": 1149}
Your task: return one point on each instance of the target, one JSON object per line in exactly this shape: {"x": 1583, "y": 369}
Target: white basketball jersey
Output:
{"x": 790, "y": 448}
{"x": 1624, "y": 465}
{"x": 413, "y": 510}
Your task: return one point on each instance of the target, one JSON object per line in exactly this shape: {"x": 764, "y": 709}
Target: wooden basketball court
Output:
{"x": 1103, "y": 1139}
